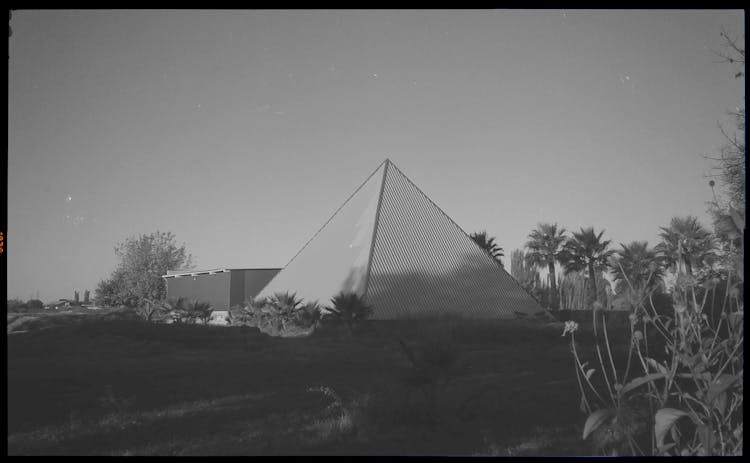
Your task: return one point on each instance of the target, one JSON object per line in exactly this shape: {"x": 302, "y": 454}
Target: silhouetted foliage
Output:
{"x": 686, "y": 243}
{"x": 16, "y": 305}
{"x": 544, "y": 250}
{"x": 488, "y": 244}
{"x": 198, "y": 310}
{"x": 586, "y": 251}
{"x": 350, "y": 308}
{"x": 34, "y": 305}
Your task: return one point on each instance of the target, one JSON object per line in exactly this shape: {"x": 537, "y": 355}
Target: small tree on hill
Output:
{"x": 143, "y": 260}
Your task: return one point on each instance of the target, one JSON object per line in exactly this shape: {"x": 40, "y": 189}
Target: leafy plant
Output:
{"x": 176, "y": 309}
{"x": 147, "y": 309}
{"x": 434, "y": 364}
{"x": 280, "y": 314}
{"x": 198, "y": 310}
{"x": 683, "y": 377}
{"x": 351, "y": 308}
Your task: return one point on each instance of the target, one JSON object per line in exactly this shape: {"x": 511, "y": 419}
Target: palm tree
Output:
{"x": 686, "y": 243}
{"x": 585, "y": 251}
{"x": 176, "y": 308}
{"x": 285, "y": 303}
{"x": 637, "y": 264}
{"x": 544, "y": 247}
{"x": 488, "y": 244}
{"x": 199, "y": 310}
{"x": 349, "y": 307}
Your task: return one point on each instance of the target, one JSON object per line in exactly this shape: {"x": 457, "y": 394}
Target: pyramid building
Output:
{"x": 392, "y": 245}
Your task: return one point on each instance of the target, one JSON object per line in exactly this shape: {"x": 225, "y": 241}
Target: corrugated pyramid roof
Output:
{"x": 390, "y": 243}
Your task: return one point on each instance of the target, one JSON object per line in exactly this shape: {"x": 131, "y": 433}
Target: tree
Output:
{"x": 728, "y": 208}
{"x": 143, "y": 260}
{"x": 16, "y": 305}
{"x": 686, "y": 244}
{"x": 544, "y": 249}
{"x": 111, "y": 291}
{"x": 586, "y": 251}
{"x": 636, "y": 265}
{"x": 521, "y": 269}
{"x": 34, "y": 305}
{"x": 488, "y": 244}
{"x": 733, "y": 54}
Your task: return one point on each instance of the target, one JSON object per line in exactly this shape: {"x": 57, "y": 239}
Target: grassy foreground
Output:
{"x": 124, "y": 387}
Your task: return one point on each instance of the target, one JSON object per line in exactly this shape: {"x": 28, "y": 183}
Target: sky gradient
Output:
{"x": 243, "y": 131}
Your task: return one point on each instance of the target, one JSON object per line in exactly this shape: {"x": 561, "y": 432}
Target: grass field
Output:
{"x": 124, "y": 387}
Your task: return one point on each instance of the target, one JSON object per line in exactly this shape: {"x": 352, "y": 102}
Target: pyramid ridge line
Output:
{"x": 453, "y": 221}
{"x": 334, "y": 215}
{"x": 376, "y": 225}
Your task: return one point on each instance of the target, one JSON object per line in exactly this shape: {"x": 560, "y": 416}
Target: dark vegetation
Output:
{"x": 118, "y": 385}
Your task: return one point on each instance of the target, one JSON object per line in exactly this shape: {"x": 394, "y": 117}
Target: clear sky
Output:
{"x": 243, "y": 131}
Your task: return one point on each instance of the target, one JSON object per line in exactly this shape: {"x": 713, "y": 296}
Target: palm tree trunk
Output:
{"x": 553, "y": 286}
{"x": 592, "y": 277}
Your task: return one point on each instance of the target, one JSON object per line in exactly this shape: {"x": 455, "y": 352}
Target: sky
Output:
{"x": 242, "y": 131}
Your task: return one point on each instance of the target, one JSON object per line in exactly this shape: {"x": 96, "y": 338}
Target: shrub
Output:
{"x": 350, "y": 308}
{"x": 175, "y": 309}
{"x": 433, "y": 364}
{"x": 16, "y": 305}
{"x": 34, "y": 305}
{"x": 149, "y": 309}
{"x": 279, "y": 315}
{"x": 199, "y": 311}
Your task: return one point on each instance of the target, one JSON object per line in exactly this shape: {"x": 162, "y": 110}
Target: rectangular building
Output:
{"x": 222, "y": 288}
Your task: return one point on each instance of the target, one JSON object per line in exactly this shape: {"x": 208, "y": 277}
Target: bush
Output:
{"x": 17, "y": 306}
{"x": 199, "y": 311}
{"x": 149, "y": 310}
{"x": 350, "y": 308}
{"x": 35, "y": 305}
{"x": 283, "y": 314}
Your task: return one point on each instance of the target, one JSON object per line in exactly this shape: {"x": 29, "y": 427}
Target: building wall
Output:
{"x": 212, "y": 288}
{"x": 256, "y": 279}
{"x": 237, "y": 287}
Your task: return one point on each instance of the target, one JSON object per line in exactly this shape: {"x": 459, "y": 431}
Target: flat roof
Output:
{"x": 178, "y": 273}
